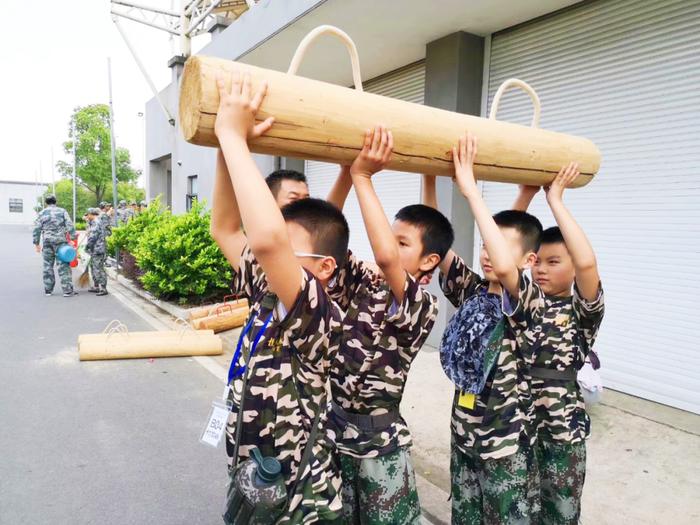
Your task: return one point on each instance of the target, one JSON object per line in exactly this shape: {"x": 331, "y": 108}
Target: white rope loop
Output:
{"x": 527, "y": 88}
{"x": 328, "y": 30}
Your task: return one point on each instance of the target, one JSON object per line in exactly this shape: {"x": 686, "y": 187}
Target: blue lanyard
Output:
{"x": 234, "y": 370}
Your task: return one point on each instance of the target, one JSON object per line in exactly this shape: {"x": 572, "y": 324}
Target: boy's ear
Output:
{"x": 430, "y": 262}
{"x": 327, "y": 268}
{"x": 529, "y": 260}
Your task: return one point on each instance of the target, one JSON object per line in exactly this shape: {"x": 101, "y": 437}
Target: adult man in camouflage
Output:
{"x": 124, "y": 213}
{"x": 143, "y": 206}
{"x": 54, "y": 223}
{"x": 97, "y": 248}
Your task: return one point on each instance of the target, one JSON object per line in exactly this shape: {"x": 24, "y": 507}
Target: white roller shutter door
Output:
{"x": 624, "y": 73}
{"x": 395, "y": 190}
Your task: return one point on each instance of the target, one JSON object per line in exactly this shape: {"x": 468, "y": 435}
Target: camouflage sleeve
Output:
{"x": 36, "y": 232}
{"x": 460, "y": 283}
{"x": 414, "y": 318}
{"x": 249, "y": 278}
{"x": 589, "y": 315}
{"x": 70, "y": 227}
{"x": 527, "y": 309}
{"x": 311, "y": 323}
{"x": 350, "y": 278}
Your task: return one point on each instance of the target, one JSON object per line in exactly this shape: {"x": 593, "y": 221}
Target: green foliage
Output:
{"x": 64, "y": 198}
{"x": 179, "y": 258}
{"x": 80, "y": 225}
{"x": 128, "y": 236}
{"x": 127, "y": 191}
{"x": 93, "y": 151}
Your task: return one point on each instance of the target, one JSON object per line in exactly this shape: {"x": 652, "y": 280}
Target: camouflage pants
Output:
{"x": 562, "y": 473}
{"x": 500, "y": 491}
{"x": 381, "y": 490}
{"x": 97, "y": 268}
{"x": 64, "y": 271}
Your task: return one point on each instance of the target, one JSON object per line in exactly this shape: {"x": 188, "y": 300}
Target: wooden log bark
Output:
{"x": 133, "y": 346}
{"x": 223, "y": 320}
{"x": 205, "y": 311}
{"x": 321, "y": 121}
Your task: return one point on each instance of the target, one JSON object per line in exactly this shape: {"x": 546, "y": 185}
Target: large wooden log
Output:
{"x": 135, "y": 345}
{"x": 205, "y": 311}
{"x": 160, "y": 334}
{"x": 322, "y": 121}
{"x": 224, "y": 319}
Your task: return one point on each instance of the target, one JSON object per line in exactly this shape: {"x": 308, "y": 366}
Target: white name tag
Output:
{"x": 216, "y": 425}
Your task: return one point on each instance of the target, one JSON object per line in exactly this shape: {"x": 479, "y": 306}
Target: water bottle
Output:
{"x": 257, "y": 494}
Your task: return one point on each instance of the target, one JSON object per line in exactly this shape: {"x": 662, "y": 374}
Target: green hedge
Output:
{"x": 179, "y": 259}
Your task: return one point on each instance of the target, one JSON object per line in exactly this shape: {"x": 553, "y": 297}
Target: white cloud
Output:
{"x": 54, "y": 57}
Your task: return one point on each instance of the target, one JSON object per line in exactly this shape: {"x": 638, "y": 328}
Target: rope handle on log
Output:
{"x": 115, "y": 326}
{"x": 330, "y": 30}
{"x": 232, "y": 296}
{"x": 223, "y": 307}
{"x": 184, "y": 327}
{"x": 527, "y": 88}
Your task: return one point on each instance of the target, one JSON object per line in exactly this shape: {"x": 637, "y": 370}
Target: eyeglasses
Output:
{"x": 314, "y": 255}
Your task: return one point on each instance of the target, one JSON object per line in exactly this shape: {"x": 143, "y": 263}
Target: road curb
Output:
{"x": 166, "y": 307}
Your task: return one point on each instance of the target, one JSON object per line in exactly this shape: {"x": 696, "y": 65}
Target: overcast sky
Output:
{"x": 54, "y": 58}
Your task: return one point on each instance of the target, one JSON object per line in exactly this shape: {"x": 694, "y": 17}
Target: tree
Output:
{"x": 93, "y": 151}
{"x": 64, "y": 197}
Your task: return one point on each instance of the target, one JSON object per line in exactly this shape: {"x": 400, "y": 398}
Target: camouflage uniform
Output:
{"x": 561, "y": 337}
{"x": 53, "y": 222}
{"x": 106, "y": 222}
{"x": 124, "y": 214}
{"x": 493, "y": 467}
{"x": 96, "y": 246}
{"x": 381, "y": 339}
{"x": 292, "y": 359}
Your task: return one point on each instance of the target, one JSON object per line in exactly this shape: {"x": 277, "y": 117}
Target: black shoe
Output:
{"x": 47, "y": 293}
{"x": 102, "y": 292}
{"x": 70, "y": 294}
{"x": 93, "y": 289}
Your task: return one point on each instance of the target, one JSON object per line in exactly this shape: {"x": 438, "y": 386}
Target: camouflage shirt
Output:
{"x": 292, "y": 359}
{"x": 106, "y": 223}
{"x": 96, "y": 243}
{"x": 380, "y": 340}
{"x": 53, "y": 222}
{"x": 561, "y": 337}
{"x": 499, "y": 422}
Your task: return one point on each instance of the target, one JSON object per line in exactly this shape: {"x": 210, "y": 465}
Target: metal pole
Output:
{"x": 53, "y": 173}
{"x": 75, "y": 167}
{"x": 114, "y": 147}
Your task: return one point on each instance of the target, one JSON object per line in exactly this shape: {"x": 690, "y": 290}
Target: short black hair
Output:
{"x": 528, "y": 226}
{"x": 325, "y": 223}
{"x": 552, "y": 236}
{"x": 50, "y": 199}
{"x": 274, "y": 179}
{"x": 437, "y": 232}
{"x": 103, "y": 205}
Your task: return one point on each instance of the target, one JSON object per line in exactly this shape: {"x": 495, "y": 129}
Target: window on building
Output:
{"x": 16, "y": 206}
{"x": 191, "y": 191}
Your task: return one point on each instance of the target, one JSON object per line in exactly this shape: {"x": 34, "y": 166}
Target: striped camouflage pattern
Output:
{"x": 273, "y": 419}
{"x": 381, "y": 339}
{"x": 562, "y": 338}
{"x": 53, "y": 223}
{"x": 499, "y": 423}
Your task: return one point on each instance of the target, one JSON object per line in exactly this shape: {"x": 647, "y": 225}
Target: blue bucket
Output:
{"x": 66, "y": 253}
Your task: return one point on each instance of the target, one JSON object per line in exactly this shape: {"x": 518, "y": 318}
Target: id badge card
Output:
{"x": 466, "y": 400}
{"x": 216, "y": 424}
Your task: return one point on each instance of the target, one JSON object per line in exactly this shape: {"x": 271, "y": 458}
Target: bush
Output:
{"x": 80, "y": 225}
{"x": 179, "y": 258}
{"x": 128, "y": 236}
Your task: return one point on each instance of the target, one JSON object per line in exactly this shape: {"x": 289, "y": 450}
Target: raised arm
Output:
{"x": 582, "y": 254}
{"x": 501, "y": 258}
{"x": 265, "y": 227}
{"x": 226, "y": 226}
{"x": 429, "y": 198}
{"x": 375, "y": 154}
{"x": 525, "y": 196}
{"x": 341, "y": 188}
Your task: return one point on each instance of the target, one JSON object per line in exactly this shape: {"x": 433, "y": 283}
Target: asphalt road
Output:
{"x": 106, "y": 442}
